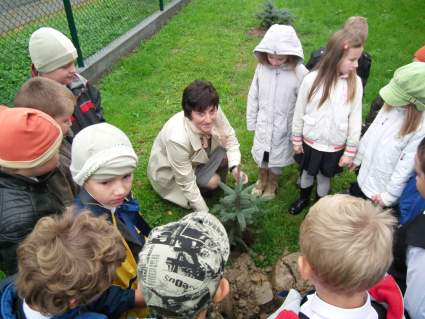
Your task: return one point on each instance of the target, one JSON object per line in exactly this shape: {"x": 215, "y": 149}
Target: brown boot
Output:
{"x": 261, "y": 183}
{"x": 271, "y": 187}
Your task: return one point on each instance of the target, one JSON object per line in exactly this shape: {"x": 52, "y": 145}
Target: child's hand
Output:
{"x": 298, "y": 149}
{"x": 139, "y": 300}
{"x": 345, "y": 161}
{"x": 377, "y": 199}
{"x": 353, "y": 167}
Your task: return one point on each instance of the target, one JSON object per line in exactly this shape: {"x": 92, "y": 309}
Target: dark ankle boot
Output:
{"x": 302, "y": 202}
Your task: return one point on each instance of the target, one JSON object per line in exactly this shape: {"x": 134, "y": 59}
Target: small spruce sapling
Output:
{"x": 237, "y": 209}
{"x": 271, "y": 15}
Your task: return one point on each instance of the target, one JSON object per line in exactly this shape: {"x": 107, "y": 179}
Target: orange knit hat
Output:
{"x": 29, "y": 137}
{"x": 420, "y": 54}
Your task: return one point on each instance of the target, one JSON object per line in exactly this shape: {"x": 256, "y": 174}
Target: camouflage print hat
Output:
{"x": 182, "y": 264}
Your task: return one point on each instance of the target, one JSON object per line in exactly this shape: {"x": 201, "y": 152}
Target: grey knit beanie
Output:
{"x": 101, "y": 151}
{"x": 50, "y": 49}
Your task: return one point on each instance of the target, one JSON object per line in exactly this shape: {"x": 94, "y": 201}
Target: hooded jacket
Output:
{"x": 272, "y": 97}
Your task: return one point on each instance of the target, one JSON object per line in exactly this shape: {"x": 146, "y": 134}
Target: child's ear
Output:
{"x": 304, "y": 267}
{"x": 222, "y": 291}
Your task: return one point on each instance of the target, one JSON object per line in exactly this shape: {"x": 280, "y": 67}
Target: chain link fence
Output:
{"x": 97, "y": 23}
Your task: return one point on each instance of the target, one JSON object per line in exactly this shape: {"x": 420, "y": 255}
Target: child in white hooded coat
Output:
{"x": 271, "y": 102}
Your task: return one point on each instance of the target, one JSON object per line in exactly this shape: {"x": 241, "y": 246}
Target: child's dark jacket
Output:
{"x": 411, "y": 203}
{"x": 61, "y": 184}
{"x": 111, "y": 304}
{"x": 88, "y": 110}
{"x": 23, "y": 201}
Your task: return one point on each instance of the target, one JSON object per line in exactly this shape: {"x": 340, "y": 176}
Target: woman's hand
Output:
{"x": 239, "y": 175}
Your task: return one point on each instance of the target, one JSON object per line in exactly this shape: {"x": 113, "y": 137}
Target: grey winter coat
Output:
{"x": 272, "y": 97}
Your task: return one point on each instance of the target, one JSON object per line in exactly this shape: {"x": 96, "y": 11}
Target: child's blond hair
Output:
{"x": 348, "y": 242}
{"x": 357, "y": 25}
{"x": 68, "y": 257}
{"x": 47, "y": 96}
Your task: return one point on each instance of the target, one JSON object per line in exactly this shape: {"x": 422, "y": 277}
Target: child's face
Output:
{"x": 204, "y": 121}
{"x": 64, "y": 75}
{"x": 276, "y": 60}
{"x": 111, "y": 192}
{"x": 64, "y": 122}
{"x": 349, "y": 62}
{"x": 420, "y": 177}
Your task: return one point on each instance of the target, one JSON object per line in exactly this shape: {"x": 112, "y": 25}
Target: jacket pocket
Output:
{"x": 341, "y": 133}
{"x": 309, "y": 127}
{"x": 261, "y": 127}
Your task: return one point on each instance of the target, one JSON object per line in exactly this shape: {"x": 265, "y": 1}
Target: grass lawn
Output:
{"x": 211, "y": 40}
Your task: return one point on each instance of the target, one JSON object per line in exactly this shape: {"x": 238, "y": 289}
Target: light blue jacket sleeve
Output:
{"x": 414, "y": 297}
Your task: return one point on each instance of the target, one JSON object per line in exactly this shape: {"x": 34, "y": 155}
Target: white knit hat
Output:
{"x": 101, "y": 151}
{"x": 50, "y": 49}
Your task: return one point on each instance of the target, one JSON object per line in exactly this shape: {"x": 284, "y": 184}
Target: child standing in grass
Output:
{"x": 271, "y": 103}
{"x": 387, "y": 150}
{"x": 327, "y": 119}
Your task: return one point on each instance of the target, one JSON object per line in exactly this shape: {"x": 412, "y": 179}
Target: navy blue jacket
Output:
{"x": 411, "y": 203}
{"x": 111, "y": 304}
{"x": 127, "y": 216}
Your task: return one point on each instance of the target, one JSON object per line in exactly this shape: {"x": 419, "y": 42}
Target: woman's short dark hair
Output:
{"x": 199, "y": 96}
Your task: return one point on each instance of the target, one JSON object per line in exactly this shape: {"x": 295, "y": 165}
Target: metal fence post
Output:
{"x": 73, "y": 31}
{"x": 161, "y": 5}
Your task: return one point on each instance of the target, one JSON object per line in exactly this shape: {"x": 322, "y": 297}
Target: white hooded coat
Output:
{"x": 272, "y": 97}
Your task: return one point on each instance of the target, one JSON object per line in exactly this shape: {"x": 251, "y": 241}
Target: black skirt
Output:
{"x": 314, "y": 161}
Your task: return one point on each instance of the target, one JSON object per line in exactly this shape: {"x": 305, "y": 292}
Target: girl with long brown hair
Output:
{"x": 327, "y": 120}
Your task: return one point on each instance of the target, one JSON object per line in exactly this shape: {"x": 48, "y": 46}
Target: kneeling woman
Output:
{"x": 194, "y": 149}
